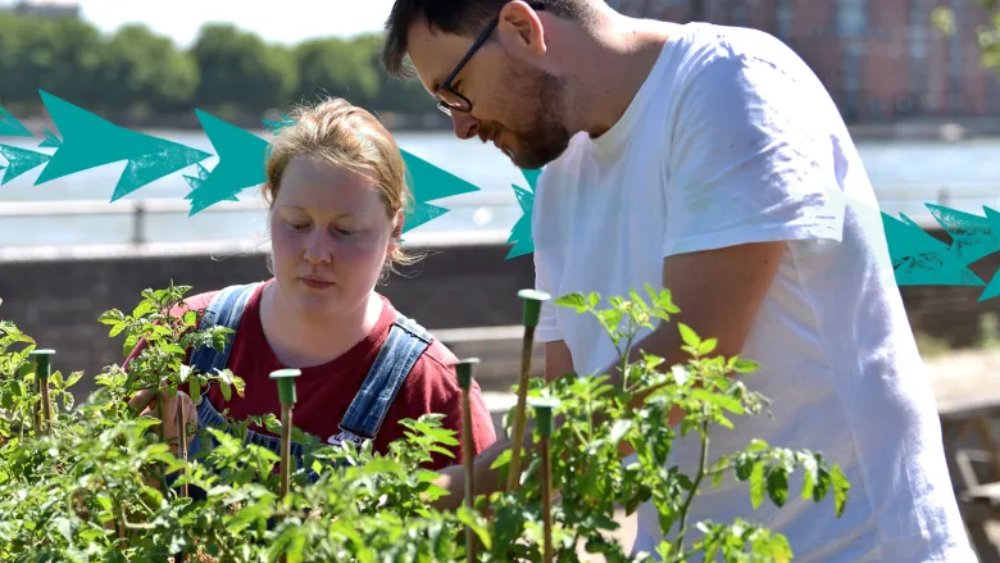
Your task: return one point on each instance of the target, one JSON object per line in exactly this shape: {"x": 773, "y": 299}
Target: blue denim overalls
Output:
{"x": 364, "y": 417}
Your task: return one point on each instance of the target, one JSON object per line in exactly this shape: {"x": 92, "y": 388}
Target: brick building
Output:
{"x": 881, "y": 60}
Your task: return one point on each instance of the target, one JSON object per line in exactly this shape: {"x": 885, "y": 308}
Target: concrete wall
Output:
{"x": 456, "y": 292}
{"x": 58, "y": 301}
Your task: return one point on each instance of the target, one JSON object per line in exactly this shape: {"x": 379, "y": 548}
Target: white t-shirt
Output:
{"x": 730, "y": 140}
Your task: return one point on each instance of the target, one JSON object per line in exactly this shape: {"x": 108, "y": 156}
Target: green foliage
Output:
{"x": 987, "y": 35}
{"x": 239, "y": 69}
{"x": 96, "y": 488}
{"x": 227, "y": 71}
{"x": 149, "y": 72}
{"x": 593, "y": 482}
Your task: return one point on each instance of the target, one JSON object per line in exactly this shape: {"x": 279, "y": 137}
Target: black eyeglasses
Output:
{"x": 448, "y": 99}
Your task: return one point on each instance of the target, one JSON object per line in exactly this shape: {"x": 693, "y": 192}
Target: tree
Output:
{"x": 61, "y": 55}
{"x": 145, "y": 71}
{"x": 988, "y": 35}
{"x": 337, "y": 67}
{"x": 238, "y": 70}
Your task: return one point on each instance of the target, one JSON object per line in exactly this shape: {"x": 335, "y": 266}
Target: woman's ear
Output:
{"x": 397, "y": 230}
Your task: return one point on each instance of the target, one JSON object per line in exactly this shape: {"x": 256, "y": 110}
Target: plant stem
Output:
{"x": 694, "y": 487}
{"x": 160, "y": 428}
{"x": 182, "y": 446}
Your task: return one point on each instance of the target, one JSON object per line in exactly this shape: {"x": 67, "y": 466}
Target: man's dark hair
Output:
{"x": 458, "y": 17}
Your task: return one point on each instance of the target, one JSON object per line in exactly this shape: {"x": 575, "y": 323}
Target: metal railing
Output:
{"x": 892, "y": 200}
{"x": 140, "y": 209}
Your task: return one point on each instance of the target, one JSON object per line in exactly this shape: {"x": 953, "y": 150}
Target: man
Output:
{"x": 710, "y": 161}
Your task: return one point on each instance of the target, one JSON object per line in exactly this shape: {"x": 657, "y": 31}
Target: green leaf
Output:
{"x": 117, "y": 329}
{"x": 593, "y": 299}
{"x": 707, "y": 346}
{"x": 723, "y": 401}
{"x": 73, "y": 378}
{"x": 777, "y": 485}
{"x": 757, "y": 485}
{"x": 689, "y": 336}
{"x": 574, "y": 301}
{"x": 111, "y": 317}
{"x": 226, "y": 390}
{"x": 64, "y": 527}
{"x": 143, "y": 308}
{"x": 745, "y": 366}
{"x": 810, "y": 471}
{"x": 194, "y": 390}
{"x": 840, "y": 488}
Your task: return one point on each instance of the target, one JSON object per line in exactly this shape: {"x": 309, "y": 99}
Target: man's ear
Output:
{"x": 521, "y": 28}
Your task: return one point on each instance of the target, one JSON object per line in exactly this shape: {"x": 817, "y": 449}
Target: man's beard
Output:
{"x": 544, "y": 137}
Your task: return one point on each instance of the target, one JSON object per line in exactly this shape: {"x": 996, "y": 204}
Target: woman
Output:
{"x": 336, "y": 191}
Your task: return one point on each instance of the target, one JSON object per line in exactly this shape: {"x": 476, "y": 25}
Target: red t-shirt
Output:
{"x": 324, "y": 392}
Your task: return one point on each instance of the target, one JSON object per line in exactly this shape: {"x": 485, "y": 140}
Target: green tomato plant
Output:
{"x": 96, "y": 487}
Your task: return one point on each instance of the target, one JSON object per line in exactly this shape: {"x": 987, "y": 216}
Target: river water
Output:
{"x": 964, "y": 175}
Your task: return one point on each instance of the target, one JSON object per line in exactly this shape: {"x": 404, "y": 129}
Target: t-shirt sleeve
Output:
{"x": 750, "y": 161}
{"x": 547, "y": 329}
{"x": 432, "y": 387}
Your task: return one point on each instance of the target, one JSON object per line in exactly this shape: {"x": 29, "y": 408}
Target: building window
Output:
{"x": 785, "y": 18}
{"x": 852, "y": 18}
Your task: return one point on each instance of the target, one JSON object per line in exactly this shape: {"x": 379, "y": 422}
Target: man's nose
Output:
{"x": 466, "y": 126}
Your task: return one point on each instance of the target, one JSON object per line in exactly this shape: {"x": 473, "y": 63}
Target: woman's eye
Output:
{"x": 345, "y": 232}
{"x": 298, "y": 227}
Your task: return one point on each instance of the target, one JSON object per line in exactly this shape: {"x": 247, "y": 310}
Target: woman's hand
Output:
{"x": 175, "y": 409}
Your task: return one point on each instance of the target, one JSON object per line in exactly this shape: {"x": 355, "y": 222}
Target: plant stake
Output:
{"x": 286, "y": 394}
{"x": 543, "y": 413}
{"x": 532, "y": 308}
{"x": 43, "y": 369}
{"x": 464, "y": 371}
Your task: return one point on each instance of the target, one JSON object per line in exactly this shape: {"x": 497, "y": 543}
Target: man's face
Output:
{"x": 516, "y": 105}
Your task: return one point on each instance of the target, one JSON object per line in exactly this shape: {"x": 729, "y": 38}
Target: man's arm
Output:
{"x": 719, "y": 293}
{"x": 558, "y": 360}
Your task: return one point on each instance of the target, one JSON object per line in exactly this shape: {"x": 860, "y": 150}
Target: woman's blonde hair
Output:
{"x": 346, "y": 135}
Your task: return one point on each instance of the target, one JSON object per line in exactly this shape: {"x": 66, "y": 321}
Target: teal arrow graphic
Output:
{"x": 276, "y": 125}
{"x": 11, "y": 127}
{"x": 993, "y": 289}
{"x": 242, "y": 156}
{"x": 20, "y": 161}
{"x": 920, "y": 259}
{"x": 51, "y": 141}
{"x": 90, "y": 140}
{"x": 973, "y": 236}
{"x": 201, "y": 174}
{"x": 520, "y": 234}
{"x": 427, "y": 183}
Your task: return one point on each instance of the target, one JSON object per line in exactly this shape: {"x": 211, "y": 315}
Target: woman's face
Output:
{"x": 330, "y": 237}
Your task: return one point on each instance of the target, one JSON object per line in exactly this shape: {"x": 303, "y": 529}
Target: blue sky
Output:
{"x": 282, "y": 21}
